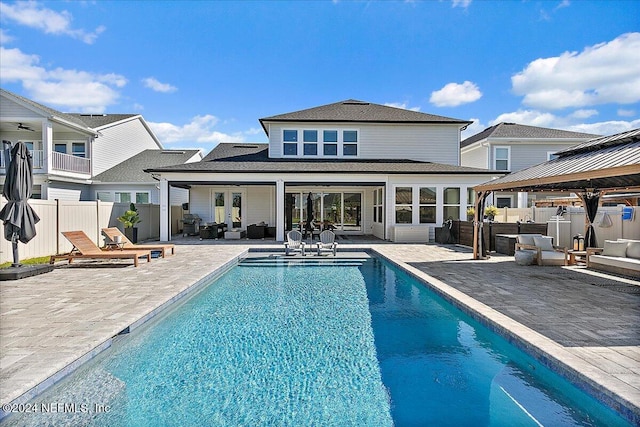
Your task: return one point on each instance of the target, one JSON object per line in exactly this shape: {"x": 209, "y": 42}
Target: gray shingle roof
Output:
{"x": 47, "y": 110}
{"x": 353, "y": 110}
{"x": 96, "y": 121}
{"x": 254, "y": 158}
{"x": 132, "y": 169}
{"x": 516, "y": 131}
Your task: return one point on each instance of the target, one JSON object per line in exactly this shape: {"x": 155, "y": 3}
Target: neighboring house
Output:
{"x": 69, "y": 150}
{"x": 370, "y": 169}
{"x": 126, "y": 182}
{"x": 510, "y": 147}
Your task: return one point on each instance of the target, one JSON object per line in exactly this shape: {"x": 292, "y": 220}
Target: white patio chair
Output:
{"x": 327, "y": 242}
{"x": 294, "y": 243}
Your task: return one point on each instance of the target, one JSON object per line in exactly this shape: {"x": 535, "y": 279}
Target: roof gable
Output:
{"x": 43, "y": 109}
{"x": 352, "y": 110}
{"x": 517, "y": 131}
{"x": 132, "y": 169}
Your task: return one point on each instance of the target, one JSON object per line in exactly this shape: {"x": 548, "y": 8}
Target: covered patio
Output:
{"x": 605, "y": 165}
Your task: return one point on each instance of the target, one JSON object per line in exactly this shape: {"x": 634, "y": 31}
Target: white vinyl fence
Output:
{"x": 60, "y": 215}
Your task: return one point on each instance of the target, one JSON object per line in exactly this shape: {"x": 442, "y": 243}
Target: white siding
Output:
{"x": 261, "y": 205}
{"x": 432, "y": 143}
{"x": 178, "y": 195}
{"x": 118, "y": 143}
{"x": 69, "y": 192}
{"x": 476, "y": 158}
{"x": 200, "y": 202}
{"x": 523, "y": 156}
{"x": 9, "y": 109}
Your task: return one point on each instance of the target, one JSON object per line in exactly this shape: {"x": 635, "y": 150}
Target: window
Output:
{"x": 427, "y": 205}
{"x": 123, "y": 197}
{"x": 349, "y": 143}
{"x": 503, "y": 202}
{"x": 104, "y": 196}
{"x": 404, "y": 208}
{"x": 377, "y": 205}
{"x": 290, "y": 142}
{"x": 142, "y": 198}
{"x": 471, "y": 198}
{"x": 310, "y": 139}
{"x": 78, "y": 150}
{"x": 330, "y": 140}
{"x": 451, "y": 203}
{"x": 61, "y": 148}
{"x": 501, "y": 157}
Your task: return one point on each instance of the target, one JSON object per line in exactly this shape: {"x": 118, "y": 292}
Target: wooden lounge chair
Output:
{"x": 84, "y": 248}
{"x": 294, "y": 243}
{"x": 112, "y": 232}
{"x": 327, "y": 242}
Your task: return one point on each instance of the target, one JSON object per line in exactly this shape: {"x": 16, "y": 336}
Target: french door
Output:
{"x": 228, "y": 207}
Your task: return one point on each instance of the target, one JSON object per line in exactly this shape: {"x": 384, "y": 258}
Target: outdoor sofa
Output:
{"x": 620, "y": 256}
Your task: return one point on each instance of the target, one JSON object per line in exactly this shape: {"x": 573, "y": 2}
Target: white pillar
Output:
{"x": 523, "y": 198}
{"x": 280, "y": 210}
{"x": 165, "y": 212}
{"x": 47, "y": 145}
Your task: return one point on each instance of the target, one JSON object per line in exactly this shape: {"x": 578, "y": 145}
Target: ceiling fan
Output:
{"x": 23, "y": 127}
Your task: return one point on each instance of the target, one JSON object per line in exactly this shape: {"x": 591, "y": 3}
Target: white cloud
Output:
{"x": 153, "y": 84}
{"x": 626, "y": 113}
{"x": 34, "y": 15}
{"x": 583, "y": 114}
{"x": 454, "y": 94}
{"x": 562, "y": 4}
{"x": 462, "y": 3}
{"x": 600, "y": 74}
{"x": 5, "y": 38}
{"x": 70, "y": 89}
{"x": 200, "y": 129}
{"x": 527, "y": 117}
{"x": 606, "y": 128}
{"x": 402, "y": 105}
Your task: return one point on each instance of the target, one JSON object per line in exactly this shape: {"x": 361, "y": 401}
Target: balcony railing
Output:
{"x": 59, "y": 161}
{"x": 69, "y": 163}
{"x": 37, "y": 156}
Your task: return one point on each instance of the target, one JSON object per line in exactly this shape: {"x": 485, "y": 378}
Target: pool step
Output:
{"x": 280, "y": 261}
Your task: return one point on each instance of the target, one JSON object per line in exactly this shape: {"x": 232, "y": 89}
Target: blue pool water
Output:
{"x": 355, "y": 343}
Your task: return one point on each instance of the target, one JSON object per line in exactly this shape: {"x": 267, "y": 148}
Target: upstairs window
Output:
{"x": 290, "y": 142}
{"x": 349, "y": 143}
{"x": 310, "y": 140}
{"x": 330, "y": 142}
{"x": 60, "y": 148}
{"x": 78, "y": 149}
{"x": 502, "y": 158}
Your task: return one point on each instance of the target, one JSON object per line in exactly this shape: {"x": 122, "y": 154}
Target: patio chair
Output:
{"x": 113, "y": 232}
{"x": 327, "y": 242}
{"x": 294, "y": 243}
{"x": 542, "y": 248}
{"x": 84, "y": 248}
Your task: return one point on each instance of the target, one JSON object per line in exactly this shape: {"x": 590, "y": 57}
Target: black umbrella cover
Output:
{"x": 17, "y": 216}
{"x": 309, "y": 209}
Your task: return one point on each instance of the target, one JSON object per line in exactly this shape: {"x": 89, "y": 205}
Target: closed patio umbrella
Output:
{"x": 18, "y": 217}
{"x": 309, "y": 213}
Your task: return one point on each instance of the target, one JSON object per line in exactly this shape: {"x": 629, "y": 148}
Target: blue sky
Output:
{"x": 204, "y": 72}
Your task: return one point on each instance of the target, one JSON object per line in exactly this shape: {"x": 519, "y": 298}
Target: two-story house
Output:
{"x": 510, "y": 147}
{"x": 70, "y": 150}
{"x": 369, "y": 169}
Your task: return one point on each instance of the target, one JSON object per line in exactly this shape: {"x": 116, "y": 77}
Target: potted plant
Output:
{"x": 129, "y": 219}
{"x": 471, "y": 212}
{"x": 490, "y": 212}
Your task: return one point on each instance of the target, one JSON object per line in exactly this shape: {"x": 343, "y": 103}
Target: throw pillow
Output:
{"x": 543, "y": 242}
{"x": 633, "y": 250}
{"x": 615, "y": 248}
{"x": 526, "y": 239}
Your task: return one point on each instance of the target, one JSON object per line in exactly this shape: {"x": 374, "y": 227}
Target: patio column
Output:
{"x": 165, "y": 211}
{"x": 47, "y": 145}
{"x": 280, "y": 210}
{"x": 523, "y": 197}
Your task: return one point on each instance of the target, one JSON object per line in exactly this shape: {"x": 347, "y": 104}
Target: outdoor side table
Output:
{"x": 573, "y": 254}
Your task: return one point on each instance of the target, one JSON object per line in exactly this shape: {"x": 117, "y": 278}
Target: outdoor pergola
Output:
{"x": 602, "y": 165}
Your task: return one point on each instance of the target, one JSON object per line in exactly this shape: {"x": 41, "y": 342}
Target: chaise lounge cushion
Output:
{"x": 613, "y": 248}
{"x": 633, "y": 250}
{"x": 630, "y": 264}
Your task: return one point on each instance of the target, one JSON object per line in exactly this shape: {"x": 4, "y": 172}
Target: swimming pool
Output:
{"x": 354, "y": 342}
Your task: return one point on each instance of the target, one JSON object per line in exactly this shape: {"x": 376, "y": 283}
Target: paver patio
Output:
{"x": 591, "y": 323}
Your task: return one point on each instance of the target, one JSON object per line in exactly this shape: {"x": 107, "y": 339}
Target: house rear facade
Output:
{"x": 368, "y": 169}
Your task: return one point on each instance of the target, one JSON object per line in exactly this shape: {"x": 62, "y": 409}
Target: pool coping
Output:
{"x": 543, "y": 349}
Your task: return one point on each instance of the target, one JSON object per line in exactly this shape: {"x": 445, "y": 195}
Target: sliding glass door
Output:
{"x": 342, "y": 210}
